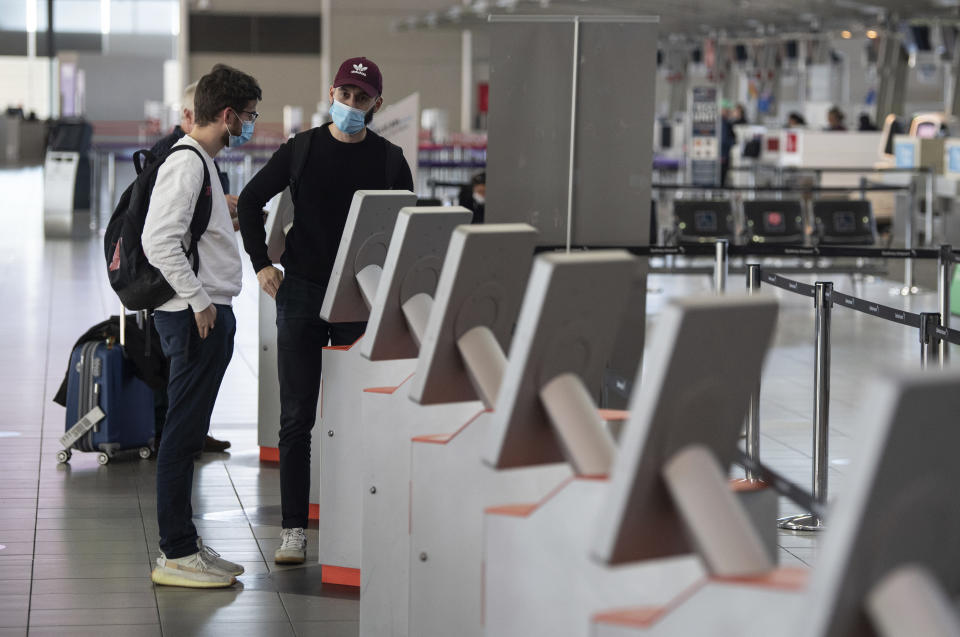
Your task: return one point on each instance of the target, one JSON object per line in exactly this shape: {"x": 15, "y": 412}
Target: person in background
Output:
{"x": 865, "y": 124}
{"x": 795, "y": 120}
{"x": 727, "y": 138}
{"x": 197, "y": 326}
{"x": 739, "y": 115}
{"x": 835, "y": 119}
{"x": 162, "y": 147}
{"x": 343, "y": 157}
{"x": 164, "y": 144}
{"x": 473, "y": 196}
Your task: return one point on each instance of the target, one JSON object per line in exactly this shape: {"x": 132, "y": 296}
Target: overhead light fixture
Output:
{"x": 872, "y": 34}
{"x": 846, "y": 35}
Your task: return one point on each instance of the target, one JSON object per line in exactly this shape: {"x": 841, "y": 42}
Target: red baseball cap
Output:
{"x": 360, "y": 72}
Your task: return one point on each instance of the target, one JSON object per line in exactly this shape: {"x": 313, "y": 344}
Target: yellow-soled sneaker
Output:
{"x": 218, "y": 562}
{"x": 192, "y": 571}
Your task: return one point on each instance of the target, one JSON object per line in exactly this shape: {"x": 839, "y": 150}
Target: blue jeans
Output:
{"x": 196, "y": 370}
{"x": 301, "y": 337}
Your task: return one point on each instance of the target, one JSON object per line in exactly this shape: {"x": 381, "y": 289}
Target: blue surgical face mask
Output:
{"x": 350, "y": 120}
{"x": 246, "y": 133}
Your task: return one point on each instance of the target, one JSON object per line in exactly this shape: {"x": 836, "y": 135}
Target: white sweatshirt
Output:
{"x": 166, "y": 232}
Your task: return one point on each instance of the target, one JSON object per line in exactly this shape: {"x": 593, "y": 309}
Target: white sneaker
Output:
{"x": 192, "y": 571}
{"x": 293, "y": 547}
{"x": 212, "y": 556}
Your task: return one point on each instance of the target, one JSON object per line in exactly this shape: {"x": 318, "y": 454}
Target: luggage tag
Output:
{"x": 83, "y": 425}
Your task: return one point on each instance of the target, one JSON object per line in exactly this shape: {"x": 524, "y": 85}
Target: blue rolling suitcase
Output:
{"x": 108, "y": 408}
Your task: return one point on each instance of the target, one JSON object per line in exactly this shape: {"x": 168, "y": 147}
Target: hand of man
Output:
{"x": 206, "y": 320}
{"x": 270, "y": 279}
{"x": 232, "y": 205}
{"x": 236, "y": 223}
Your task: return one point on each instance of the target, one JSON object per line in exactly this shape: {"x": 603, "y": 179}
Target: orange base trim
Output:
{"x": 340, "y": 575}
{"x": 788, "y": 578}
{"x": 314, "y": 513}
{"x": 744, "y": 484}
{"x": 269, "y": 454}
{"x": 614, "y": 414}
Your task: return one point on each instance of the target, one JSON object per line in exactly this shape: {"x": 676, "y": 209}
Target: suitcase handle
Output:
{"x": 123, "y": 326}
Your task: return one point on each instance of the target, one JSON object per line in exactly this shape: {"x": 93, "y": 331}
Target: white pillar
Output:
{"x": 466, "y": 81}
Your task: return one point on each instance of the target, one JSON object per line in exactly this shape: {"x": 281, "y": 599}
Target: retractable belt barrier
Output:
{"x": 780, "y": 484}
{"x": 934, "y": 334}
{"x": 766, "y": 250}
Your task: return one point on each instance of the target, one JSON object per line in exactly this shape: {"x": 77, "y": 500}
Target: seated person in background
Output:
{"x": 163, "y": 146}
{"x": 473, "y": 196}
{"x": 835, "y": 120}
{"x": 865, "y": 123}
{"x": 795, "y": 120}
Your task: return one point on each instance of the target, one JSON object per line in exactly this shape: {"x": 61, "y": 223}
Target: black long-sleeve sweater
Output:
{"x": 334, "y": 171}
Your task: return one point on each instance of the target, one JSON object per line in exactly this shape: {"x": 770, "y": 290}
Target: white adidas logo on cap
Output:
{"x": 360, "y": 69}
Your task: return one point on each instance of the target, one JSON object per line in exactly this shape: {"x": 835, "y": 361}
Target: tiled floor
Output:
{"x": 77, "y": 541}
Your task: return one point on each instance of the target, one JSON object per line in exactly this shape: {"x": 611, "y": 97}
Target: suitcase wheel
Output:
{"x": 145, "y": 452}
{"x": 63, "y": 456}
{"x": 102, "y": 458}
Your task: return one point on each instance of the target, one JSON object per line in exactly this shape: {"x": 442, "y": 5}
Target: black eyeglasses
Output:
{"x": 253, "y": 114}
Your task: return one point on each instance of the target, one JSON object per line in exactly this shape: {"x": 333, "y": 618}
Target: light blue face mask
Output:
{"x": 350, "y": 120}
{"x": 246, "y": 133}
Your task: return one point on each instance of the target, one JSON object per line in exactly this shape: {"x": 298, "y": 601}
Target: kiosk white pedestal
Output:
{"x": 450, "y": 487}
{"x": 541, "y": 580}
{"x": 268, "y": 383}
{"x": 336, "y": 481}
{"x": 736, "y": 607}
{"x": 390, "y": 421}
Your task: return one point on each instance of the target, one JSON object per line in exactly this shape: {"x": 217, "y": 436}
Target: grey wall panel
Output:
{"x": 614, "y": 145}
{"x": 142, "y": 80}
{"x": 529, "y": 126}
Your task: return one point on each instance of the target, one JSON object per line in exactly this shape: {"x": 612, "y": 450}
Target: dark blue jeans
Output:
{"x": 196, "y": 370}
{"x": 301, "y": 337}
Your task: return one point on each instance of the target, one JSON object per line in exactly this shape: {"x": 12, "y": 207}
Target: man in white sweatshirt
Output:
{"x": 197, "y": 325}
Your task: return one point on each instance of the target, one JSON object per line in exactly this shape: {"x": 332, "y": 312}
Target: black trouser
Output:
{"x": 301, "y": 337}
{"x": 196, "y": 369}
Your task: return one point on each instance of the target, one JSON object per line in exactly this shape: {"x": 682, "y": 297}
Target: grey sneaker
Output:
{"x": 212, "y": 556}
{"x": 293, "y": 547}
{"x": 192, "y": 571}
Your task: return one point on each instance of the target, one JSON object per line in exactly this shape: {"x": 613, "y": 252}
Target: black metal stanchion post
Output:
{"x": 753, "y": 409}
{"x": 821, "y": 412}
{"x": 721, "y": 267}
{"x": 929, "y": 350}
{"x": 945, "y": 265}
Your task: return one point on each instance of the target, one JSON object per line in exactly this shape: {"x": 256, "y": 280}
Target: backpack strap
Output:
{"x": 201, "y": 211}
{"x": 394, "y": 162}
{"x": 301, "y": 150}
{"x": 142, "y": 159}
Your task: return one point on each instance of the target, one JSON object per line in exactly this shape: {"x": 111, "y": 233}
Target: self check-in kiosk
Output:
{"x": 481, "y": 282}
{"x": 548, "y": 563}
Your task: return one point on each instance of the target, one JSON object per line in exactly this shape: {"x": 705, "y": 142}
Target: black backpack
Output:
{"x": 139, "y": 285}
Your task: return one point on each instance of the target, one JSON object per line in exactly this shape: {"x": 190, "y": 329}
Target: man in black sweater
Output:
{"x": 343, "y": 157}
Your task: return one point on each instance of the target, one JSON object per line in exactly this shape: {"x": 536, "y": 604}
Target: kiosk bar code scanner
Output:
{"x": 844, "y": 222}
{"x": 774, "y": 221}
{"x": 702, "y": 221}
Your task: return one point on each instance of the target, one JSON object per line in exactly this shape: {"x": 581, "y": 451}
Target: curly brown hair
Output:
{"x": 223, "y": 87}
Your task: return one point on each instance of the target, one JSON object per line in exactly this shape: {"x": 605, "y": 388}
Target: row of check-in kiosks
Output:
{"x": 775, "y": 221}
{"x": 464, "y": 472}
